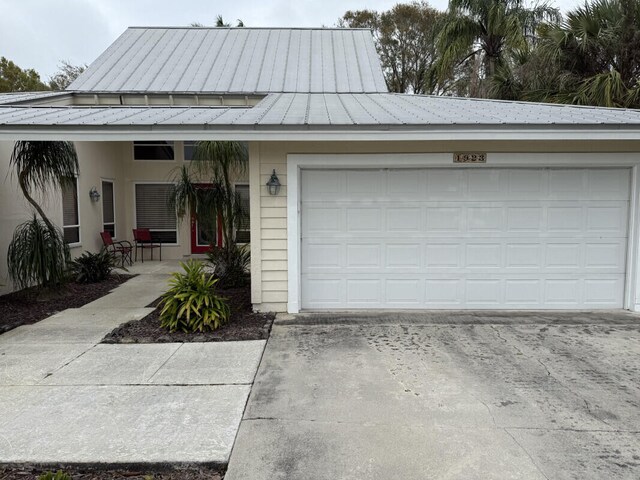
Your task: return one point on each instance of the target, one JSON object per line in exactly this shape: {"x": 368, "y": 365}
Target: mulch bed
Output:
{"x": 243, "y": 324}
{"x": 27, "y": 306}
{"x": 88, "y": 473}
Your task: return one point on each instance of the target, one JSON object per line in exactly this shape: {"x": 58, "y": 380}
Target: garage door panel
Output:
{"x": 464, "y": 238}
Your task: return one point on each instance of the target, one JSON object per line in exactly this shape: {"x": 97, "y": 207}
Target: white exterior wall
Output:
{"x": 270, "y": 262}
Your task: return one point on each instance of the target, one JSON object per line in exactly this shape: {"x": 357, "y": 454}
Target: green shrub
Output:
{"x": 92, "y": 267}
{"x": 191, "y": 304}
{"x": 37, "y": 255}
{"x": 230, "y": 264}
{"x": 59, "y": 475}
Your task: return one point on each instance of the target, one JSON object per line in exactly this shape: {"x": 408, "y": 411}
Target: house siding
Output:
{"x": 269, "y": 213}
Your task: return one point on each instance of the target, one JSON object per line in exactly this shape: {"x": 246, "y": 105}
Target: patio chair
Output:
{"x": 143, "y": 240}
{"x": 122, "y": 248}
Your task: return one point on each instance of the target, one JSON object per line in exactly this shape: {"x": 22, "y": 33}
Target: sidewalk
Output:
{"x": 66, "y": 398}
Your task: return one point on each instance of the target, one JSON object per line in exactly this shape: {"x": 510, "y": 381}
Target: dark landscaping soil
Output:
{"x": 243, "y": 324}
{"x": 28, "y": 306}
{"x": 22, "y": 472}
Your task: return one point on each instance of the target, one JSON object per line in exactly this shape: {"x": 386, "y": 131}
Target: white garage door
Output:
{"x": 463, "y": 238}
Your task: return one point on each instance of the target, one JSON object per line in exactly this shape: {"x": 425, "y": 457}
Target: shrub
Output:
{"x": 37, "y": 255}
{"x": 92, "y": 267}
{"x": 230, "y": 264}
{"x": 59, "y": 475}
{"x": 191, "y": 304}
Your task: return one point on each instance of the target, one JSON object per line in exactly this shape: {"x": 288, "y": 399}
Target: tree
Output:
{"x": 489, "y": 32}
{"x": 221, "y": 23}
{"x": 595, "y": 52}
{"x": 65, "y": 75}
{"x": 15, "y": 79}
{"x": 37, "y": 253}
{"x": 214, "y": 162}
{"x": 405, "y": 39}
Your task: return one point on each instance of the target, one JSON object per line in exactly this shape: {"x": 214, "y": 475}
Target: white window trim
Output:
{"x": 113, "y": 189}
{"x": 79, "y": 242}
{"x": 235, "y": 229}
{"x": 135, "y": 219}
{"x": 297, "y": 162}
{"x": 173, "y": 160}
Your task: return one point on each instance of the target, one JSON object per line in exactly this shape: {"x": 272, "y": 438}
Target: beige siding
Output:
{"x": 269, "y": 213}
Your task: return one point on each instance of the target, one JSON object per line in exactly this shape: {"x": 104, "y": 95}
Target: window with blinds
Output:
{"x": 108, "y": 208}
{"x": 243, "y": 229}
{"x": 154, "y": 211}
{"x": 155, "y": 150}
{"x": 70, "y": 213}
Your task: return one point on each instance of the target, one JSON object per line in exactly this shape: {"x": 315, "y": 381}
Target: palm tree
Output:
{"x": 596, "y": 50}
{"x": 489, "y": 29}
{"x": 216, "y": 163}
{"x": 37, "y": 253}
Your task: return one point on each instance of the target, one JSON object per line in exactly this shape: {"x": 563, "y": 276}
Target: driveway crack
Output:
{"x": 526, "y": 453}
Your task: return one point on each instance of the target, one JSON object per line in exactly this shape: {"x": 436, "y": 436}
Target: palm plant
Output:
{"x": 596, "y": 51}
{"x": 491, "y": 30}
{"x": 37, "y": 253}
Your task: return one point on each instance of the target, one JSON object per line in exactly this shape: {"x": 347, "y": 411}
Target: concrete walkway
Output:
{"x": 445, "y": 396}
{"x": 66, "y": 398}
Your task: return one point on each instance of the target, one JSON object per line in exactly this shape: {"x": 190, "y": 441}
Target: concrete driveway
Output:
{"x": 445, "y": 396}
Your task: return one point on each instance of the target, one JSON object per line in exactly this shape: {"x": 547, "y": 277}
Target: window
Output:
{"x": 243, "y": 229}
{"x": 189, "y": 149}
{"x": 153, "y": 211}
{"x": 70, "y": 213}
{"x": 108, "y": 208}
{"x": 156, "y": 150}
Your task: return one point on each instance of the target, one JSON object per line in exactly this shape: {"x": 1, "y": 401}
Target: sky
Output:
{"x": 40, "y": 33}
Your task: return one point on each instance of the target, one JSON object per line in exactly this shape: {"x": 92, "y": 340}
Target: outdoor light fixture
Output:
{"x": 94, "y": 195}
{"x": 273, "y": 185}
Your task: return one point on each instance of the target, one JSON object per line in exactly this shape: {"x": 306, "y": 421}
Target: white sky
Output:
{"x": 39, "y": 33}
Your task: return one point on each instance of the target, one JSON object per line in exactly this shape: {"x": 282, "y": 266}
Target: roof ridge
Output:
{"x": 188, "y": 27}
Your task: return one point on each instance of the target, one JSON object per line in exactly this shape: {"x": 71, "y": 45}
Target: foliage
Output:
{"x": 230, "y": 264}
{"x": 221, "y": 23}
{"x": 214, "y": 163}
{"x": 37, "y": 255}
{"x": 59, "y": 475}
{"x": 65, "y": 75}
{"x": 15, "y": 79}
{"x": 405, "y": 38}
{"x": 192, "y": 304}
{"x": 486, "y": 33}
{"x": 596, "y": 52}
{"x": 40, "y": 164}
{"x": 92, "y": 267}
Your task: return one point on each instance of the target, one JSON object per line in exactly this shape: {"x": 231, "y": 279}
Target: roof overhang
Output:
{"x": 329, "y": 133}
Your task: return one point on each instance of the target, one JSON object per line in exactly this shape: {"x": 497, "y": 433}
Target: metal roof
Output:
{"x": 236, "y": 60}
{"x": 345, "y": 111}
{"x": 18, "y": 97}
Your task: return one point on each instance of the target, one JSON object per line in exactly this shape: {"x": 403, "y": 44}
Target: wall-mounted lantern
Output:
{"x": 273, "y": 185}
{"x": 94, "y": 195}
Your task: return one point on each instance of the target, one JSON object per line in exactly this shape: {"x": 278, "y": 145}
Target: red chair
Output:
{"x": 122, "y": 248}
{"x": 142, "y": 239}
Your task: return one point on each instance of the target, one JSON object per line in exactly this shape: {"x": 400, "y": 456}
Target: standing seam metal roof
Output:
{"x": 302, "y": 110}
{"x": 237, "y": 60}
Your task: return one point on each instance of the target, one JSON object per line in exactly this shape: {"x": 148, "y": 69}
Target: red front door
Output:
{"x": 203, "y": 236}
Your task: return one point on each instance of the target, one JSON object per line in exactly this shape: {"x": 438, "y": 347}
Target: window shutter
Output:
{"x": 70, "y": 203}
{"x": 244, "y": 224}
{"x": 108, "y": 215}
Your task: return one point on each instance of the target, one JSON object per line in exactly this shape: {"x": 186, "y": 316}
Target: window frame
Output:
{"x": 79, "y": 242}
{"x": 135, "y": 211}
{"x": 184, "y": 149}
{"x": 133, "y": 151}
{"x": 113, "y": 201}
{"x": 235, "y": 231}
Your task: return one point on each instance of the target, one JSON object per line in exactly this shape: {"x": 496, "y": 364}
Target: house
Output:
{"x": 388, "y": 201}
